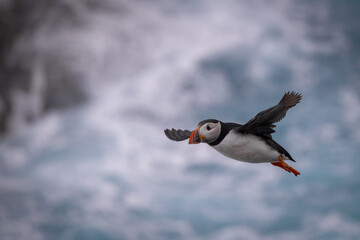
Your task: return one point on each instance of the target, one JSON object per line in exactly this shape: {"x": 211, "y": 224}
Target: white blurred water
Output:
{"x": 105, "y": 170}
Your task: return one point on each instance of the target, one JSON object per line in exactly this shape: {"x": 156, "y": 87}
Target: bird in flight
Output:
{"x": 251, "y": 142}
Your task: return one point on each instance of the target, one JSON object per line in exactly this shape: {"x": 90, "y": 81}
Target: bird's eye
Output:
{"x": 208, "y": 127}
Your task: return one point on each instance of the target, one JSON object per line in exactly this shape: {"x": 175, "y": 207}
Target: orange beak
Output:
{"x": 194, "y": 137}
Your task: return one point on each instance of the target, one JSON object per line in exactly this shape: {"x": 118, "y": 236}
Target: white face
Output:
{"x": 209, "y": 132}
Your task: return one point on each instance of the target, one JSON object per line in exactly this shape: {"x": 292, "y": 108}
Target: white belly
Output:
{"x": 247, "y": 148}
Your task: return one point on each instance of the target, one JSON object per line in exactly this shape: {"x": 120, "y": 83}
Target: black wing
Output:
{"x": 177, "y": 135}
{"x": 262, "y": 123}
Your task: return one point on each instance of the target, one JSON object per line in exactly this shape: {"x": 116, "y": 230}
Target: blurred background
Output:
{"x": 87, "y": 88}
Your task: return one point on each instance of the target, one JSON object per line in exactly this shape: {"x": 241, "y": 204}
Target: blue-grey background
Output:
{"x": 87, "y": 88}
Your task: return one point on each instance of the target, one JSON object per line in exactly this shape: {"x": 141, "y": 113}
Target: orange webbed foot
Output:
{"x": 286, "y": 167}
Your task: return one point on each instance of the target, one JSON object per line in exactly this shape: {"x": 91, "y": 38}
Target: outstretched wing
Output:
{"x": 177, "y": 135}
{"x": 262, "y": 123}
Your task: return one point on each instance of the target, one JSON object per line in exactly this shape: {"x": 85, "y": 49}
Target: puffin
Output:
{"x": 251, "y": 142}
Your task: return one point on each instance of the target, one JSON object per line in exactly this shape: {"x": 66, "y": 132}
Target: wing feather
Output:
{"x": 262, "y": 123}
{"x": 177, "y": 135}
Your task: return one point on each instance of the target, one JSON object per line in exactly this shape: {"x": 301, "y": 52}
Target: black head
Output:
{"x": 206, "y": 131}
{"x": 207, "y": 121}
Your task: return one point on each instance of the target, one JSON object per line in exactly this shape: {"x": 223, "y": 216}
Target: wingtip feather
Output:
{"x": 177, "y": 135}
{"x": 290, "y": 99}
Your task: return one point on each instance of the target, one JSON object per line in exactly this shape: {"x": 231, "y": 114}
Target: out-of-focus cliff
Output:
{"x": 35, "y": 77}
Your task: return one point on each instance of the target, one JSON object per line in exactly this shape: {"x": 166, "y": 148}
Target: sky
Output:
{"x": 104, "y": 169}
